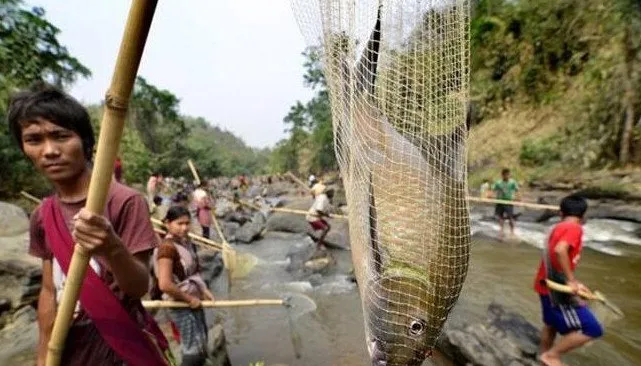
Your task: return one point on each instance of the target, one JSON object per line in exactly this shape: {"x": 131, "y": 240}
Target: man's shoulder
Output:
{"x": 121, "y": 195}
{"x": 568, "y": 226}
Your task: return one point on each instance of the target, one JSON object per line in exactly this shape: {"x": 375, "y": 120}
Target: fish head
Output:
{"x": 398, "y": 325}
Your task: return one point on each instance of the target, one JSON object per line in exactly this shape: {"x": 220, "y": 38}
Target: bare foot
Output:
{"x": 550, "y": 360}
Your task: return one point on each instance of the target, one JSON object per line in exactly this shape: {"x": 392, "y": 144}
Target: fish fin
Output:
{"x": 373, "y": 236}
{"x": 366, "y": 69}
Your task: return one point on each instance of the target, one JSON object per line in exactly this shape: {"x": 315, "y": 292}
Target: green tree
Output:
{"x": 29, "y": 52}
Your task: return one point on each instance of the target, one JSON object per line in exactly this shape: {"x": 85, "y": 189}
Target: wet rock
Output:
{"x": 19, "y": 281}
{"x": 239, "y": 217}
{"x": 217, "y": 348}
{"x": 305, "y": 259}
{"x": 19, "y": 338}
{"x": 211, "y": 263}
{"x": 249, "y": 232}
{"x": 504, "y": 339}
{"x": 286, "y": 222}
{"x": 13, "y": 220}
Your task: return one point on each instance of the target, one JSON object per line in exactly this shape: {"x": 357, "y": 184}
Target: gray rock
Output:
{"x": 13, "y": 220}
{"x": 5, "y": 304}
{"x": 217, "y": 348}
{"x": 504, "y": 339}
{"x": 211, "y": 263}
{"x": 249, "y": 232}
{"x": 19, "y": 281}
{"x": 305, "y": 260}
{"x": 285, "y": 222}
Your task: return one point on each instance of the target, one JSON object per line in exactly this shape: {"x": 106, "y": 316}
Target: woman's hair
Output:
{"x": 176, "y": 212}
{"x": 43, "y": 101}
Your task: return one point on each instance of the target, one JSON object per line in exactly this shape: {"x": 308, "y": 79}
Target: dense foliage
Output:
{"x": 579, "y": 58}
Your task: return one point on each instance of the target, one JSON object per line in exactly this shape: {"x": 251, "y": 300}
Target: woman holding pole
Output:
{"x": 177, "y": 269}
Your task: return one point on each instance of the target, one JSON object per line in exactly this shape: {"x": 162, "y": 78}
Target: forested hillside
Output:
{"x": 157, "y": 137}
{"x": 555, "y": 94}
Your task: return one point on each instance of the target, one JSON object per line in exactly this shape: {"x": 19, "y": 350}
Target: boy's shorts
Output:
{"x": 568, "y": 318}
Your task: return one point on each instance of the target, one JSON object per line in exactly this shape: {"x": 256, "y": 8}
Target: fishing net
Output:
{"x": 398, "y": 78}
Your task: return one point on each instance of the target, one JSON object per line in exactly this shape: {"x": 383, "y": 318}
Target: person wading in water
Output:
{"x": 177, "y": 270}
{"x": 54, "y": 131}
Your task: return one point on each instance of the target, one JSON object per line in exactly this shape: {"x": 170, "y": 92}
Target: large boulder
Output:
{"x": 305, "y": 260}
{"x": 249, "y": 232}
{"x": 504, "y": 339}
{"x": 286, "y": 222}
{"x": 19, "y": 281}
{"x": 13, "y": 220}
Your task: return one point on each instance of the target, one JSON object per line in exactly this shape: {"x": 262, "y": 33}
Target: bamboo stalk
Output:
{"x": 30, "y": 197}
{"x": 295, "y": 178}
{"x": 194, "y": 171}
{"x": 586, "y": 294}
{"x": 162, "y": 304}
{"x": 193, "y": 236}
{"x": 289, "y": 210}
{"x": 514, "y": 203}
{"x": 116, "y": 102}
{"x": 198, "y": 240}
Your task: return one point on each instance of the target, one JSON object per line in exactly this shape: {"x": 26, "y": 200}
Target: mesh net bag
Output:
{"x": 398, "y": 78}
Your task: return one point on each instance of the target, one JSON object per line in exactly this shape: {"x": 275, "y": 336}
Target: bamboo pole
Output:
{"x": 162, "y": 304}
{"x": 116, "y": 102}
{"x": 586, "y": 294}
{"x": 297, "y": 180}
{"x": 194, "y": 171}
{"x": 532, "y": 205}
{"x": 30, "y": 197}
{"x": 197, "y": 239}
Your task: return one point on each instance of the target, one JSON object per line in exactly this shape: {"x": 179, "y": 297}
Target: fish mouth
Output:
{"x": 377, "y": 356}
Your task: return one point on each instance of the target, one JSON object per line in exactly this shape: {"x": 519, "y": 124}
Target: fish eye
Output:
{"x": 417, "y": 327}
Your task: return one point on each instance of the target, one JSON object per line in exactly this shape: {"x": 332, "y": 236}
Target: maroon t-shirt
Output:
{"x": 128, "y": 213}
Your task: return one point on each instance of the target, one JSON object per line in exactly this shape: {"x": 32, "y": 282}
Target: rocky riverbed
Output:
{"x": 494, "y": 332}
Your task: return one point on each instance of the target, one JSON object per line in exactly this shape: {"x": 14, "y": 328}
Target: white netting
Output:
{"x": 398, "y": 77}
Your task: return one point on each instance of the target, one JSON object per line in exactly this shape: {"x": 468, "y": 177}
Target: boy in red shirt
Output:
{"x": 564, "y": 313}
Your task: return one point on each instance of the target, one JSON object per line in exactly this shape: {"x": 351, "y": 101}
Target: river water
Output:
{"x": 332, "y": 334}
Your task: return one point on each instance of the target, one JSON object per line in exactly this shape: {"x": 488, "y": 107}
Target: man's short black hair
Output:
{"x": 574, "y": 205}
{"x": 505, "y": 171}
{"x": 43, "y": 101}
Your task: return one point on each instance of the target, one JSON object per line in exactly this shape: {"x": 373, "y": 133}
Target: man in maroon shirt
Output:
{"x": 564, "y": 313}
{"x": 54, "y": 132}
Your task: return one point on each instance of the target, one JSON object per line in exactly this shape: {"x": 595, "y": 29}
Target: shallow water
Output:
{"x": 333, "y": 333}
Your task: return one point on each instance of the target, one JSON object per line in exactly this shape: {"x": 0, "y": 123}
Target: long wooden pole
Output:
{"x": 157, "y": 304}
{"x": 537, "y": 206}
{"x": 194, "y": 171}
{"x": 532, "y": 205}
{"x": 133, "y": 42}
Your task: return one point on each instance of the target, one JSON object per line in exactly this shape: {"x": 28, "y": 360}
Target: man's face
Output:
{"x": 56, "y": 151}
{"x": 506, "y": 176}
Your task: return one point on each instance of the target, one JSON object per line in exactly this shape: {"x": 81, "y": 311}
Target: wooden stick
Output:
{"x": 194, "y": 171}
{"x": 514, "y": 203}
{"x": 289, "y": 210}
{"x": 199, "y": 241}
{"x": 295, "y": 178}
{"x": 161, "y": 304}
{"x": 29, "y": 196}
{"x": 116, "y": 102}
{"x": 586, "y": 294}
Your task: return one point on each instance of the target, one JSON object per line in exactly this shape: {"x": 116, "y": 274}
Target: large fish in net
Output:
{"x": 398, "y": 77}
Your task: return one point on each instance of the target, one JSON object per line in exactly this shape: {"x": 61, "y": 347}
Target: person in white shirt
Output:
{"x": 317, "y": 214}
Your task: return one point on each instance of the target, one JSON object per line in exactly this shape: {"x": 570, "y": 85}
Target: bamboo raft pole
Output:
{"x": 194, "y": 171}
{"x": 117, "y": 97}
{"x": 163, "y": 304}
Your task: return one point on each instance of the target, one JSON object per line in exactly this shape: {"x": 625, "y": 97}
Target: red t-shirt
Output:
{"x": 570, "y": 232}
